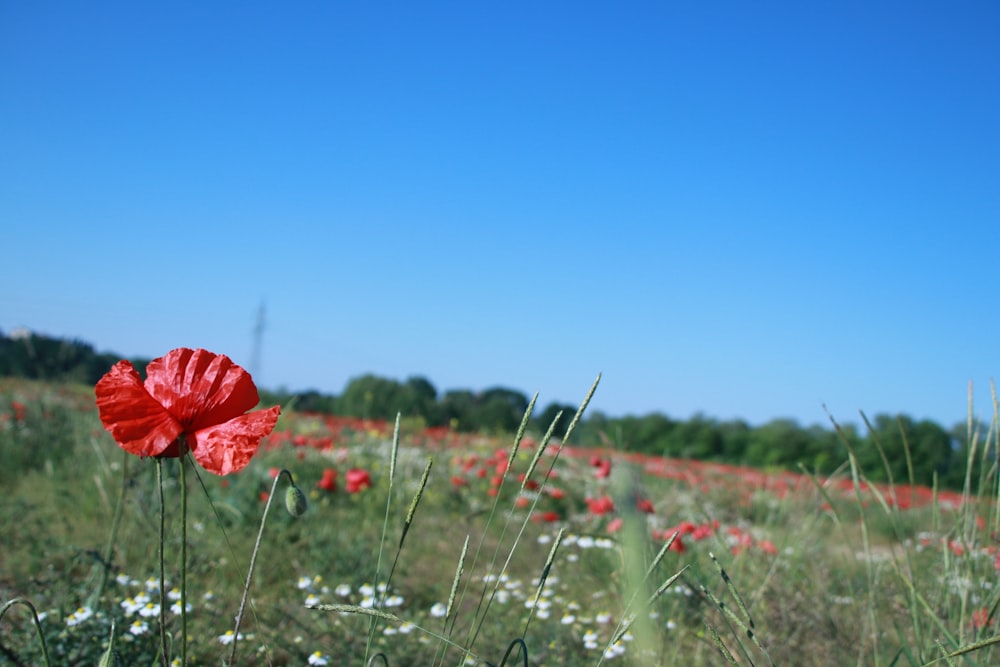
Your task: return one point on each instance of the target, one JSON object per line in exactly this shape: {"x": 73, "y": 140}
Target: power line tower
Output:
{"x": 258, "y": 336}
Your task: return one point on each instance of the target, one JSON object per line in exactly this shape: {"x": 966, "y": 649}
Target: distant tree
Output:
{"x": 372, "y": 397}
{"x": 696, "y": 438}
{"x": 457, "y": 407}
{"x": 499, "y": 409}
{"x": 780, "y": 442}
{"x": 735, "y": 436}
{"x": 967, "y": 443}
{"x": 652, "y": 433}
{"x": 45, "y": 358}
{"x": 315, "y": 401}
{"x": 930, "y": 449}
{"x": 544, "y": 419}
{"x": 420, "y": 398}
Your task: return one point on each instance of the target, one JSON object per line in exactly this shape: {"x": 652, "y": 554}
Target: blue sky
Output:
{"x": 748, "y": 211}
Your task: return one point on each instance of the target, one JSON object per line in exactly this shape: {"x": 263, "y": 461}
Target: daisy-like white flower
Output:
{"x": 130, "y": 606}
{"x": 312, "y": 600}
{"x": 175, "y": 608}
{"x": 79, "y": 616}
{"x": 138, "y": 627}
{"x": 228, "y": 637}
{"x": 318, "y": 658}
{"x": 614, "y": 650}
{"x": 150, "y": 610}
{"x": 439, "y": 610}
{"x": 174, "y": 594}
{"x": 343, "y": 590}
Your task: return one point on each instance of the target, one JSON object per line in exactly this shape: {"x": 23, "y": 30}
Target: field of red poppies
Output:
{"x": 418, "y": 546}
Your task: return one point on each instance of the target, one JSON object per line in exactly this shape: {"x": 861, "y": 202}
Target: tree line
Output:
{"x": 887, "y": 445}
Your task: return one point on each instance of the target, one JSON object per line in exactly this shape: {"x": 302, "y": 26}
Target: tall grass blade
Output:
{"x": 35, "y": 621}
{"x": 253, "y": 562}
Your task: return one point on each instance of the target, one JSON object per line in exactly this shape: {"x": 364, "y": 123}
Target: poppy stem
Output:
{"x": 163, "y": 530}
{"x": 183, "y": 460}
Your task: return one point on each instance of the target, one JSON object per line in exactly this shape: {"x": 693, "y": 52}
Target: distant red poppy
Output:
{"x": 603, "y": 466}
{"x": 329, "y": 480}
{"x": 599, "y": 506}
{"x": 195, "y": 393}
{"x": 980, "y": 618}
{"x": 357, "y": 479}
{"x": 644, "y": 505}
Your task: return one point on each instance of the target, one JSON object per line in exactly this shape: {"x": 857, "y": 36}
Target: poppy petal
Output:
{"x": 228, "y": 447}
{"x": 200, "y": 388}
{"x": 137, "y": 422}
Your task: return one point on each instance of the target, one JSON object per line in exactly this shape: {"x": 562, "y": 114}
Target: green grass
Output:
{"x": 828, "y": 572}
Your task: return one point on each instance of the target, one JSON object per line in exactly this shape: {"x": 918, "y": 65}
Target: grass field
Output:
{"x": 564, "y": 553}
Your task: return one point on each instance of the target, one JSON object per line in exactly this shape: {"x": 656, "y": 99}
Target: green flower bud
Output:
{"x": 295, "y": 501}
{"x": 111, "y": 657}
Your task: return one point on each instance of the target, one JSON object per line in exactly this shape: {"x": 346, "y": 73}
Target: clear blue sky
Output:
{"x": 744, "y": 209}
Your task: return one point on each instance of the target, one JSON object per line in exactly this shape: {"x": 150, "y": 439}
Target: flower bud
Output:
{"x": 111, "y": 657}
{"x": 295, "y": 501}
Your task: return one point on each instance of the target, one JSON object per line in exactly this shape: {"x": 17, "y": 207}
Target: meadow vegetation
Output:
{"x": 425, "y": 545}
{"x": 938, "y": 453}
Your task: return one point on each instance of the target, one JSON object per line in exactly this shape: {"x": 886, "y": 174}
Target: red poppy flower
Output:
{"x": 599, "y": 506}
{"x": 644, "y": 505}
{"x": 194, "y": 393}
{"x": 329, "y": 481}
{"x": 357, "y": 479}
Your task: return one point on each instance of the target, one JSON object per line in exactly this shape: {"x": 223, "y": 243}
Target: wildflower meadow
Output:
{"x": 172, "y": 519}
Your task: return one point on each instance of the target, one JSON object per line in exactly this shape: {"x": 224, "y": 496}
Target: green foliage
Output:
{"x": 850, "y": 574}
{"x": 45, "y": 358}
{"x": 36, "y": 429}
{"x": 373, "y": 397}
{"x": 935, "y": 454}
